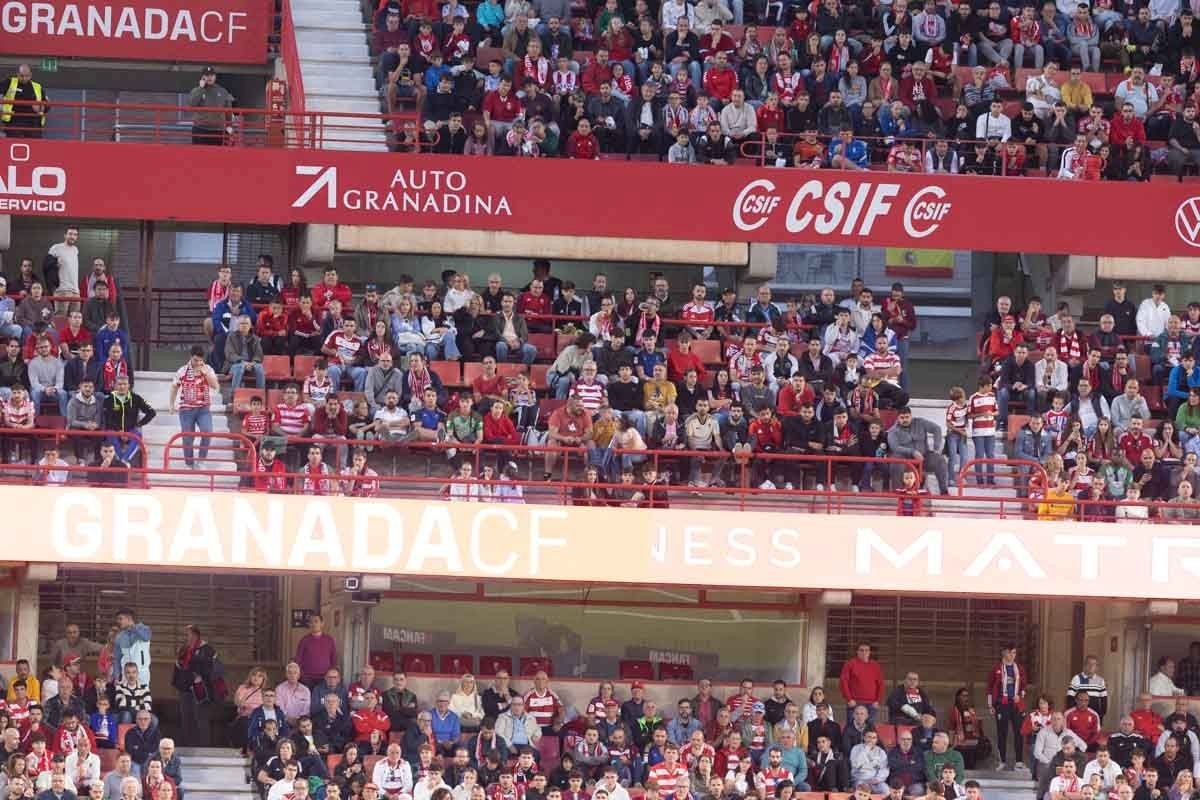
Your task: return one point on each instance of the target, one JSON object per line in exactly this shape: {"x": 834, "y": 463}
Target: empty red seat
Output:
{"x": 1154, "y": 397}
{"x": 490, "y": 665}
{"x": 531, "y": 665}
{"x": 122, "y": 729}
{"x": 382, "y": 661}
{"x": 537, "y": 375}
{"x": 302, "y": 366}
{"x": 417, "y": 662}
{"x": 457, "y": 664}
{"x": 630, "y": 668}
{"x": 277, "y": 368}
{"x": 674, "y": 672}
{"x": 887, "y": 735}
{"x": 547, "y": 748}
{"x": 544, "y": 342}
{"x": 449, "y": 371}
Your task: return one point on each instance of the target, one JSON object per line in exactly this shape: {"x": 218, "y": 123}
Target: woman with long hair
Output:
{"x": 296, "y": 288}
{"x": 246, "y": 698}
{"x": 966, "y": 734}
{"x": 466, "y": 701}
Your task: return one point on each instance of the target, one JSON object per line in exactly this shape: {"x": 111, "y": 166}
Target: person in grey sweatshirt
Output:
{"x": 84, "y": 413}
{"x": 682, "y": 151}
{"x": 46, "y": 377}
{"x": 381, "y": 379}
{"x": 912, "y": 437}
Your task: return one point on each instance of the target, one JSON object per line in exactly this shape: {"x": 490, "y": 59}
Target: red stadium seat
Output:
{"x": 417, "y": 662}
{"x": 302, "y": 367}
{"x": 108, "y": 759}
{"x": 801, "y": 795}
{"x": 277, "y": 368}
{"x": 382, "y": 661}
{"x": 490, "y": 665}
{"x": 887, "y": 735}
{"x": 707, "y": 350}
{"x": 332, "y": 760}
{"x": 123, "y": 729}
{"x": 629, "y": 669}
{"x": 510, "y": 370}
{"x": 537, "y": 375}
{"x": 675, "y": 672}
{"x": 471, "y": 371}
{"x": 369, "y": 763}
{"x": 888, "y": 417}
{"x": 547, "y": 748}
{"x": 531, "y": 665}
{"x": 544, "y": 342}
{"x": 457, "y": 664}
{"x": 449, "y": 371}
{"x": 1154, "y": 397}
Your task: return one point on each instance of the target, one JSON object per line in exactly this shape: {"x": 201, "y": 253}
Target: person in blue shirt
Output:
{"x": 846, "y": 152}
{"x": 1184, "y": 376}
{"x": 224, "y": 315}
{"x": 127, "y": 646}
{"x": 648, "y": 357}
{"x": 110, "y": 333}
{"x": 445, "y": 724}
{"x": 680, "y": 729}
{"x": 435, "y": 71}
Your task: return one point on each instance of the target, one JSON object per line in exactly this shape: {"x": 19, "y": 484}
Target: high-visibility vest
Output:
{"x": 7, "y": 107}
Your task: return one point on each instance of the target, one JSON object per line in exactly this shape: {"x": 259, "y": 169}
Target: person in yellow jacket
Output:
{"x": 1058, "y": 503}
{"x": 23, "y": 110}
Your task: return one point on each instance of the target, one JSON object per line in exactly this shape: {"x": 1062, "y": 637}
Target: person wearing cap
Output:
{"x": 1153, "y": 313}
{"x": 209, "y": 124}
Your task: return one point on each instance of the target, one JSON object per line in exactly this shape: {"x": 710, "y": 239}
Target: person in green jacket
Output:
{"x": 942, "y": 754}
{"x": 1187, "y": 418}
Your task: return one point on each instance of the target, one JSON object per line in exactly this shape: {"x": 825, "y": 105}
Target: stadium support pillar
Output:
{"x": 5, "y": 232}
{"x": 812, "y": 668}
{"x": 1165, "y": 270}
{"x": 762, "y": 264}
{"x": 315, "y": 244}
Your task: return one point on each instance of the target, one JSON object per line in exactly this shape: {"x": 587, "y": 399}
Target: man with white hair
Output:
{"x": 393, "y": 774}
{"x": 293, "y": 696}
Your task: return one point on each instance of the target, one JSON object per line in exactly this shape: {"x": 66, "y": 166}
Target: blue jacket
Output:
{"x": 682, "y": 734}
{"x": 856, "y": 151}
{"x": 222, "y": 312}
{"x": 1177, "y": 387}
{"x": 126, "y": 638}
{"x": 445, "y": 729}
{"x": 254, "y": 726}
{"x": 488, "y": 15}
{"x": 1033, "y": 446}
{"x": 104, "y": 339}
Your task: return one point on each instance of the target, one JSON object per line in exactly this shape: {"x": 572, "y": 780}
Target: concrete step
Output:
{"x": 329, "y": 19}
{"x": 334, "y": 103}
{"x": 324, "y": 51}
{"x": 217, "y": 762}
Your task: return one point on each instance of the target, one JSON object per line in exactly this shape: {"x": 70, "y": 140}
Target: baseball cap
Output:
{"x": 610, "y": 703}
{"x": 374, "y": 786}
{"x": 370, "y": 287}
{"x": 758, "y": 708}
{"x": 71, "y": 659}
{"x": 637, "y": 685}
{"x": 728, "y": 290}
{"x": 209, "y": 71}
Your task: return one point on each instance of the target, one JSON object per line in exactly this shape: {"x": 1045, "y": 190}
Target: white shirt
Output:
{"x": 392, "y": 778}
{"x": 1152, "y": 318}
{"x": 68, "y": 267}
{"x": 91, "y": 769}
{"x": 55, "y": 474}
{"x": 988, "y": 126}
{"x": 280, "y": 789}
{"x": 1049, "y": 93}
{"x": 1107, "y": 774}
{"x": 1058, "y": 378}
{"x": 1061, "y": 784}
{"x": 423, "y": 792}
{"x": 456, "y": 299}
{"x": 1072, "y": 164}
{"x": 1160, "y": 684}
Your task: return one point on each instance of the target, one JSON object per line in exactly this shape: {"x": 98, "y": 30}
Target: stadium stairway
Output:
{"x": 155, "y": 388}
{"x": 214, "y": 773}
{"x": 1016, "y": 785}
{"x": 335, "y": 66}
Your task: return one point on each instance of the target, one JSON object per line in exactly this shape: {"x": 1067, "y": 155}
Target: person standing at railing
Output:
{"x": 191, "y": 398}
{"x": 209, "y": 126}
{"x": 24, "y": 109}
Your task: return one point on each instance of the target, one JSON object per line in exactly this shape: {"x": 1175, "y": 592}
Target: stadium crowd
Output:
{"x": 312, "y": 735}
{"x": 758, "y": 394}
{"x": 974, "y": 86}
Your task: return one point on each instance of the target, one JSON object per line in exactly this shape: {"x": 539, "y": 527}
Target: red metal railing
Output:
{"x": 141, "y": 123}
{"x": 290, "y": 53}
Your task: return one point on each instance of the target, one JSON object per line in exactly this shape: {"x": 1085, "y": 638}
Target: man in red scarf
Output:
{"x": 1006, "y": 701}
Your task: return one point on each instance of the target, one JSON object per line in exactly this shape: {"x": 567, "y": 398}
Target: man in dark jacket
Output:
{"x": 906, "y": 763}
{"x": 13, "y": 371}
{"x": 333, "y": 722}
{"x": 141, "y": 741}
{"x": 1016, "y": 378}
{"x": 908, "y": 701}
{"x": 830, "y": 772}
{"x": 125, "y": 411}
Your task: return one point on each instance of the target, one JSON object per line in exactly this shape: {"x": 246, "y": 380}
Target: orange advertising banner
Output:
{"x": 169, "y": 529}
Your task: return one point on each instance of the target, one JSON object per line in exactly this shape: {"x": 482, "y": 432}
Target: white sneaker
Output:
{"x": 788, "y": 486}
{"x": 854, "y": 488}
{"x": 766, "y": 485}
{"x": 820, "y": 487}
{"x": 1020, "y": 765}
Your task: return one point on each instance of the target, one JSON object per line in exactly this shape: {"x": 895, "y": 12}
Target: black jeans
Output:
{"x": 1008, "y": 717}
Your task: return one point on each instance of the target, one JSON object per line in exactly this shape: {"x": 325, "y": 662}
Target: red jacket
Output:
{"x": 593, "y": 75}
{"x": 996, "y": 681}
{"x": 322, "y": 294}
{"x": 583, "y": 147}
{"x": 679, "y": 363}
{"x": 720, "y": 83}
{"x": 1119, "y": 130}
{"x": 1085, "y": 723}
{"x": 502, "y": 109}
{"x": 269, "y": 325}
{"x": 1147, "y": 723}
{"x": 499, "y": 431}
{"x": 366, "y": 721}
{"x": 862, "y": 681}
{"x": 908, "y": 89}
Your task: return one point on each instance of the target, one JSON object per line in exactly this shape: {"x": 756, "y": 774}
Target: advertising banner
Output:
{"x": 180, "y": 529}
{"x": 207, "y": 31}
{"x": 917, "y": 214}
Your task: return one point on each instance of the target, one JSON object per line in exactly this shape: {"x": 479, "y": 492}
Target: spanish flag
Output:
{"x": 907, "y": 263}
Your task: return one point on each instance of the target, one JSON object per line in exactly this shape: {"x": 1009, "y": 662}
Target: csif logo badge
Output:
{"x": 326, "y": 179}
{"x": 25, "y": 188}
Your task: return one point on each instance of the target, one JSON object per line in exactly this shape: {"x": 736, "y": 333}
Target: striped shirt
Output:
{"x": 542, "y": 706}
{"x": 193, "y": 387}
{"x": 982, "y": 410}
{"x": 956, "y": 416}
{"x": 881, "y": 361}
{"x": 767, "y": 779}
{"x": 591, "y": 395}
{"x": 292, "y": 420}
{"x": 666, "y": 776}
{"x": 256, "y": 424}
